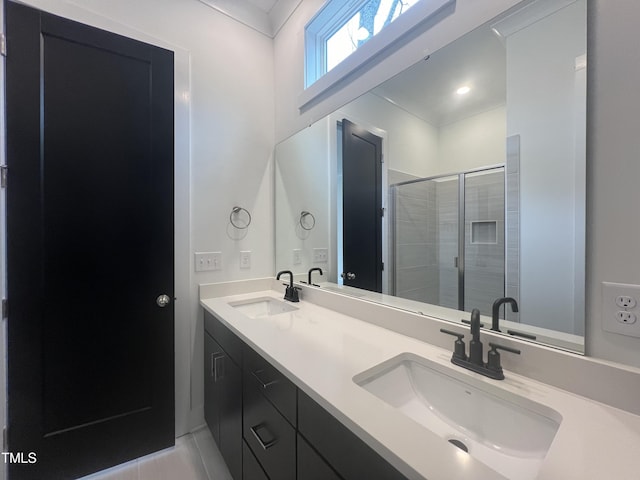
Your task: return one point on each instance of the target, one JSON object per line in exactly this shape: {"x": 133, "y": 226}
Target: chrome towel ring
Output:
{"x": 235, "y": 217}
{"x": 307, "y": 220}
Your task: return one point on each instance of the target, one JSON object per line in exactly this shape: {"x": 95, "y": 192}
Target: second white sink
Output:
{"x": 262, "y": 307}
{"x": 507, "y": 432}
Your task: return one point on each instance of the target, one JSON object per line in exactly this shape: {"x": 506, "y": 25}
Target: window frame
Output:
{"x": 332, "y": 16}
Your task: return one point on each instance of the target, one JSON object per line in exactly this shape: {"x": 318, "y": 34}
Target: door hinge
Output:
{"x": 3, "y": 44}
{"x": 382, "y": 266}
{"x": 3, "y": 176}
{"x": 5, "y": 306}
{"x": 382, "y": 212}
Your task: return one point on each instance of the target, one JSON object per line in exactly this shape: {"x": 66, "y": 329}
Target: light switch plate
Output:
{"x": 245, "y": 259}
{"x": 620, "y": 310}
{"x": 320, "y": 255}
{"x": 207, "y": 261}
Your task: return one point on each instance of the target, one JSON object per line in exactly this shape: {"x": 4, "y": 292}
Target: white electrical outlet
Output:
{"x": 245, "y": 259}
{"x": 320, "y": 255}
{"x": 626, "y": 317}
{"x": 207, "y": 261}
{"x": 297, "y": 256}
{"x": 620, "y": 308}
{"x": 625, "y": 301}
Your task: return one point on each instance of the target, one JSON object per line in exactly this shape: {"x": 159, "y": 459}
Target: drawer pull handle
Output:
{"x": 217, "y": 366}
{"x": 262, "y": 382}
{"x": 264, "y": 444}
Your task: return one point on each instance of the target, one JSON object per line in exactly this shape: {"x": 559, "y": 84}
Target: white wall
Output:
{"x": 302, "y": 183}
{"x": 224, "y": 145}
{"x": 474, "y": 142}
{"x": 412, "y": 143}
{"x": 613, "y": 167}
{"x": 420, "y": 149}
{"x": 541, "y": 109}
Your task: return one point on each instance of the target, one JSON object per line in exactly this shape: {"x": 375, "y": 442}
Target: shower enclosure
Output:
{"x": 448, "y": 245}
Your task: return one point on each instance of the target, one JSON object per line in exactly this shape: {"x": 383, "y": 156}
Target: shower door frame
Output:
{"x": 461, "y": 223}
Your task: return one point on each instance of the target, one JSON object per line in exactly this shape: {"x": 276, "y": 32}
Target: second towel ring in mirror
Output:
{"x": 237, "y": 220}
{"x": 307, "y": 220}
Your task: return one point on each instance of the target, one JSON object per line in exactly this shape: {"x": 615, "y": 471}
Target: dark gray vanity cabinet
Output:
{"x": 268, "y": 429}
{"x": 223, "y": 393}
{"x": 312, "y": 466}
{"x": 349, "y": 456}
{"x": 270, "y": 410}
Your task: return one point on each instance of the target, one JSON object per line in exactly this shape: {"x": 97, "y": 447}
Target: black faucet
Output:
{"x": 314, "y": 269}
{"x": 475, "y": 346}
{"x": 474, "y": 362}
{"x": 291, "y": 293}
{"x": 495, "y": 313}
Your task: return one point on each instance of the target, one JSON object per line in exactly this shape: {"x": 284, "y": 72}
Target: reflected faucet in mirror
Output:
{"x": 495, "y": 311}
{"x": 314, "y": 269}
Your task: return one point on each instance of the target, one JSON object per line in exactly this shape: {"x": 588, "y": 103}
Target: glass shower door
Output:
{"x": 425, "y": 240}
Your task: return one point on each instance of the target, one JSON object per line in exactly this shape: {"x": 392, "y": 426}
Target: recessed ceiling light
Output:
{"x": 463, "y": 90}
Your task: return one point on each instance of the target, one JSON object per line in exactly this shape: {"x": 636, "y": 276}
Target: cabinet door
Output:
{"x": 230, "y": 391}
{"x": 268, "y": 434}
{"x": 251, "y": 468}
{"x": 311, "y": 466}
{"x": 342, "y": 449}
{"x": 212, "y": 355}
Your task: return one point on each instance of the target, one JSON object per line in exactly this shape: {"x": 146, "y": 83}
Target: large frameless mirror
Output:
{"x": 456, "y": 183}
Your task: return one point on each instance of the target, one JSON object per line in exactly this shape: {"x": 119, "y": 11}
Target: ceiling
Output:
{"x": 264, "y": 5}
{"x": 428, "y": 89}
{"x": 265, "y": 16}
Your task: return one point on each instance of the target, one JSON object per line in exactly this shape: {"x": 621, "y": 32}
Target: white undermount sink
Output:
{"x": 507, "y": 432}
{"x": 262, "y": 307}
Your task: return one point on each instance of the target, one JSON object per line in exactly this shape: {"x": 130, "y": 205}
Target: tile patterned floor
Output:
{"x": 195, "y": 457}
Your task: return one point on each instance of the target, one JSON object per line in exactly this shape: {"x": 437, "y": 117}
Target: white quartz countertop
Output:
{"x": 321, "y": 350}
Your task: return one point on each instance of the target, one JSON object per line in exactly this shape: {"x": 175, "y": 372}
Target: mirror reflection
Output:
{"x": 459, "y": 182}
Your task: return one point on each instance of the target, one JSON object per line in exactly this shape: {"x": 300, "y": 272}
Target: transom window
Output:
{"x": 372, "y": 17}
{"x": 341, "y": 27}
{"x": 347, "y": 37}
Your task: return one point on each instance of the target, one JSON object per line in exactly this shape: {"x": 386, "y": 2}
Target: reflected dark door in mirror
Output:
{"x": 362, "y": 207}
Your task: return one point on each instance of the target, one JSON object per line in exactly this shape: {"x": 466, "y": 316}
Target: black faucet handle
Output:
{"x": 454, "y": 334}
{"x": 493, "y": 359}
{"x": 495, "y": 346}
{"x": 459, "y": 349}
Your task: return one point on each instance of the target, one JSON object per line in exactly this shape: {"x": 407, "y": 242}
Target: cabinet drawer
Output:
{"x": 349, "y": 456}
{"x": 271, "y": 438}
{"x": 312, "y": 466}
{"x": 251, "y": 469}
{"x": 271, "y": 383}
{"x": 228, "y": 340}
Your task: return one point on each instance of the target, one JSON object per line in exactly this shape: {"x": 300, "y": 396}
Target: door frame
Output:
{"x": 335, "y": 231}
{"x": 3, "y": 253}
{"x": 185, "y": 306}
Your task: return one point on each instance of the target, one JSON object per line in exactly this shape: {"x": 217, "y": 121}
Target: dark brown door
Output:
{"x": 361, "y": 207}
{"x": 90, "y": 246}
